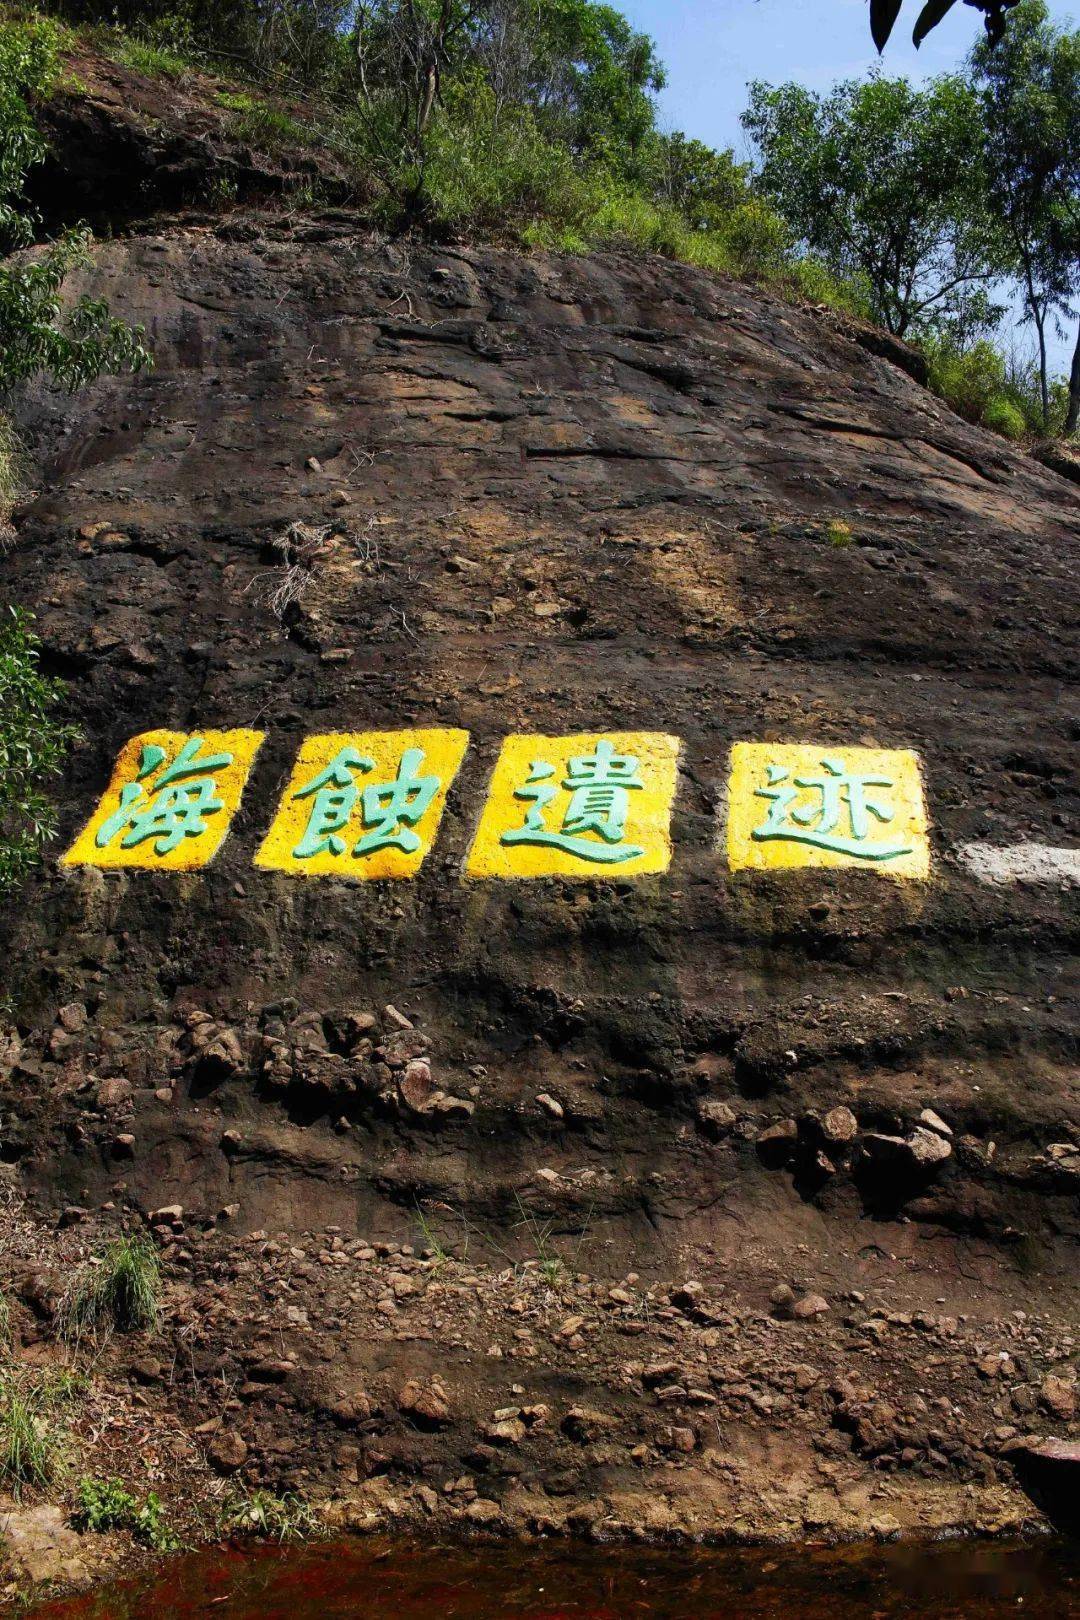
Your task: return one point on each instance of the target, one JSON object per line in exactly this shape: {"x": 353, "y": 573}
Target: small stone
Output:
{"x": 687, "y": 1295}
{"x": 551, "y": 1105}
{"x": 928, "y": 1148}
{"x": 73, "y": 1016}
{"x": 586, "y": 1425}
{"x": 414, "y": 1083}
{"x": 1058, "y": 1397}
{"x": 776, "y": 1143}
{"x": 922, "y": 1151}
{"x": 934, "y": 1122}
{"x": 716, "y": 1117}
{"x": 782, "y": 1300}
{"x": 227, "y": 1452}
{"x": 428, "y": 1402}
{"x": 451, "y": 1107}
{"x": 167, "y": 1215}
{"x": 313, "y": 464}
{"x": 114, "y": 1092}
{"x": 41, "y": 1546}
{"x": 397, "y": 1020}
{"x": 483, "y": 1511}
{"x": 809, "y": 1306}
{"x": 839, "y": 1126}
{"x": 340, "y": 497}
{"x": 505, "y": 1432}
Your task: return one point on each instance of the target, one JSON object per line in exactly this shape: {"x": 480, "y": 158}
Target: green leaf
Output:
{"x": 883, "y": 14}
{"x": 929, "y": 17}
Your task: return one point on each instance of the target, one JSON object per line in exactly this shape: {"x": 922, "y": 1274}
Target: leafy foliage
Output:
{"x": 883, "y": 179}
{"x": 33, "y": 746}
{"x": 107, "y": 1505}
{"x": 36, "y": 333}
{"x": 1028, "y": 92}
{"x": 883, "y": 15}
{"x": 72, "y": 342}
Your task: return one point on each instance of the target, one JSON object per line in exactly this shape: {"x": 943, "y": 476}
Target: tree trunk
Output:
{"x": 1044, "y": 385}
{"x": 1072, "y": 420}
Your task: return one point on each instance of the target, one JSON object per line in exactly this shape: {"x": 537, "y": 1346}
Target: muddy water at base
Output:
{"x": 334, "y": 1580}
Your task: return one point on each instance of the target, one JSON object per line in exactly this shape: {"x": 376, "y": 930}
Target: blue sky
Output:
{"x": 712, "y": 48}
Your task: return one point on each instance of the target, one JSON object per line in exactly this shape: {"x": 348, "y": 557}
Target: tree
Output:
{"x": 703, "y": 184}
{"x": 577, "y": 68}
{"x": 33, "y": 744}
{"x": 883, "y": 180}
{"x": 37, "y": 333}
{"x": 1028, "y": 90}
{"x": 71, "y": 343}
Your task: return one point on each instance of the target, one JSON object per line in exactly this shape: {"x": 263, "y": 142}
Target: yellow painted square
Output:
{"x": 163, "y": 824}
{"x": 512, "y": 800}
{"x": 366, "y": 762}
{"x": 795, "y": 805}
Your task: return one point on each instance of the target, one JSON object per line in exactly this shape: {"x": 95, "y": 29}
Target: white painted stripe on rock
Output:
{"x": 1022, "y": 863}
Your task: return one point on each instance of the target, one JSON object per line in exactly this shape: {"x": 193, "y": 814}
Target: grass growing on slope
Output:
{"x": 121, "y": 1289}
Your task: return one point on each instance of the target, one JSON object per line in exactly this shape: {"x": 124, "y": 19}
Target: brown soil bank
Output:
{"x": 628, "y": 1273}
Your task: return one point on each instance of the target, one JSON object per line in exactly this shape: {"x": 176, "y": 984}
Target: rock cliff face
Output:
{"x": 619, "y": 1199}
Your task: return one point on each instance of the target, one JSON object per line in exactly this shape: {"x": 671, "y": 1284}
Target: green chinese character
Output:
{"x": 599, "y": 785}
{"x": 335, "y": 795}
{"x": 175, "y": 807}
{"x": 385, "y": 805}
{"x": 821, "y": 822}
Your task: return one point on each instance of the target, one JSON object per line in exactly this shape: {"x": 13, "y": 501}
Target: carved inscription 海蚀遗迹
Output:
{"x": 368, "y": 804}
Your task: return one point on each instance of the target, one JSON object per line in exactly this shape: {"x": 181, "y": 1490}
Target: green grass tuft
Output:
{"x": 32, "y": 1444}
{"x": 271, "y": 1518}
{"x": 123, "y": 1290}
{"x": 144, "y": 57}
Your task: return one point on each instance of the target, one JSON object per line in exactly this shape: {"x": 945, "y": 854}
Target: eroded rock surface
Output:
{"x": 557, "y": 494}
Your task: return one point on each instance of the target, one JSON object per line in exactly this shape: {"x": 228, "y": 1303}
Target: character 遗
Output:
{"x": 363, "y": 804}
{"x": 586, "y": 806}
{"x": 792, "y": 805}
{"x": 170, "y": 801}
